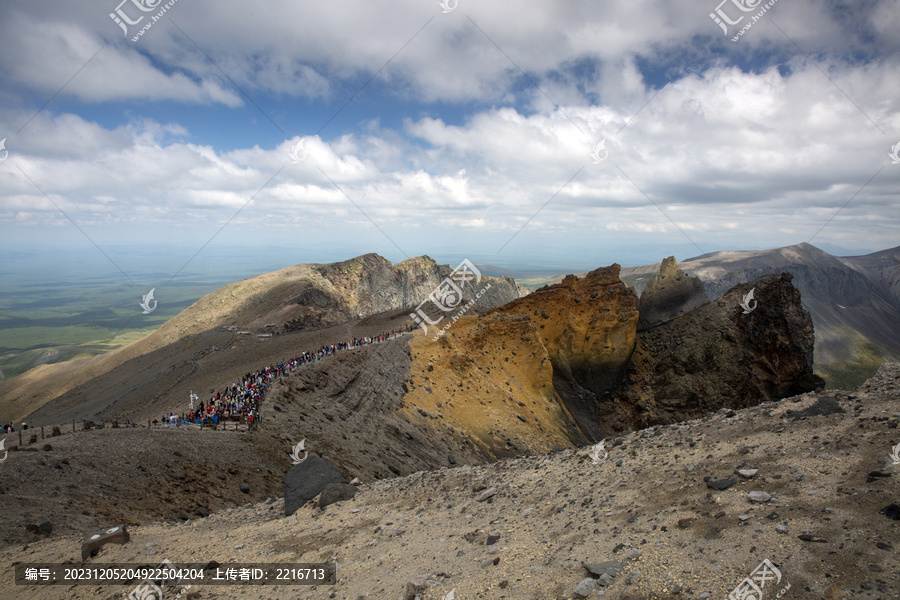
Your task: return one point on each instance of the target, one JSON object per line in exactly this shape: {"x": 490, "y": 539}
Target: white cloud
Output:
{"x": 721, "y": 148}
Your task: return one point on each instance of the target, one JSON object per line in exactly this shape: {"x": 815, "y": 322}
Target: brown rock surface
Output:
{"x": 588, "y": 326}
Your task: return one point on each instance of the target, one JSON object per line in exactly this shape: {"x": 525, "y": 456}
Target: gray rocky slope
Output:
{"x": 687, "y": 510}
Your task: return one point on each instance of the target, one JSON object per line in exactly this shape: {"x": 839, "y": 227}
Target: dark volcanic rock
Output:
{"x": 336, "y": 492}
{"x": 306, "y": 480}
{"x": 717, "y": 356}
{"x": 669, "y": 295}
{"x": 721, "y": 484}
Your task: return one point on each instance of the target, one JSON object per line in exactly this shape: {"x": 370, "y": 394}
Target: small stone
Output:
{"x": 245, "y": 488}
{"x": 721, "y": 484}
{"x": 585, "y": 588}
{"x": 757, "y": 496}
{"x": 355, "y": 481}
{"x": 891, "y": 511}
{"x": 704, "y": 595}
{"x": 747, "y": 473}
{"x": 415, "y": 587}
{"x": 743, "y": 517}
{"x": 47, "y": 447}
{"x": 239, "y": 547}
{"x": 492, "y": 539}
{"x": 634, "y": 553}
{"x": 610, "y": 568}
{"x": 486, "y": 494}
{"x": 781, "y": 528}
{"x": 633, "y": 577}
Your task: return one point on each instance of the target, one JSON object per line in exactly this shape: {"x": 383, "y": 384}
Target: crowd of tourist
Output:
{"x": 240, "y": 401}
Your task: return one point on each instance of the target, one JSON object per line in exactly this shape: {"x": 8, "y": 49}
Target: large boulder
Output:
{"x": 306, "y": 480}
{"x": 718, "y": 356}
{"x": 336, "y": 492}
{"x": 669, "y": 295}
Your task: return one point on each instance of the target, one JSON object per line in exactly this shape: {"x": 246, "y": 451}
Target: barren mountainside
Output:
{"x": 303, "y": 297}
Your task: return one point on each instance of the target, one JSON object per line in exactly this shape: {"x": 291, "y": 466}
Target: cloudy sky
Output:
{"x": 564, "y": 133}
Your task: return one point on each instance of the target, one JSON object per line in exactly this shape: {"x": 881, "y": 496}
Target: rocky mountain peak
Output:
{"x": 669, "y": 295}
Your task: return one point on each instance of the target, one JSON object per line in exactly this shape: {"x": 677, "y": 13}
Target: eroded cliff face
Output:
{"x": 489, "y": 378}
{"x": 588, "y": 326}
{"x": 718, "y": 356}
{"x": 528, "y": 376}
{"x": 566, "y": 364}
{"x": 370, "y": 284}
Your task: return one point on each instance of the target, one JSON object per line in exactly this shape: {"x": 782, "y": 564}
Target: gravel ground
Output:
{"x": 524, "y": 527}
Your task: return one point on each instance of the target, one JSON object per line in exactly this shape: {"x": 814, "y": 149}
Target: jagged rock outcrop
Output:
{"x": 567, "y": 363}
{"x": 588, "y": 327}
{"x": 370, "y": 284}
{"x": 669, "y": 295}
{"x": 718, "y": 356}
{"x": 854, "y": 301}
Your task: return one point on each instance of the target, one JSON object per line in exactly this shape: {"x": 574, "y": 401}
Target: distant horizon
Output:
{"x": 259, "y": 260}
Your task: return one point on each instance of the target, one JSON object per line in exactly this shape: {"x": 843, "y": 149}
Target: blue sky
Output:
{"x": 459, "y": 133}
